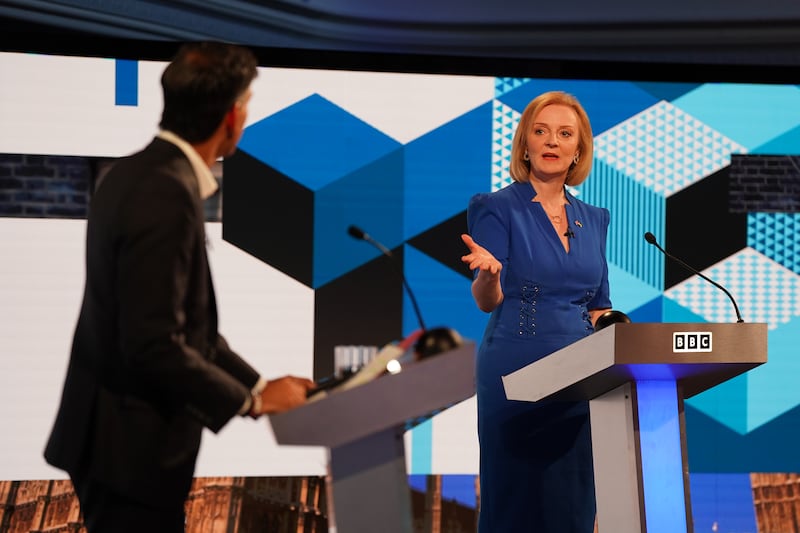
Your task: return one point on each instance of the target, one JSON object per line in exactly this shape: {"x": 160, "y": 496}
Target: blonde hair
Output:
{"x": 578, "y": 172}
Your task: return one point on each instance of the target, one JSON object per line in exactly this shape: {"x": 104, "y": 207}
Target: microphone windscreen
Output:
{"x": 437, "y": 340}
{"x": 610, "y": 317}
{"x": 356, "y": 232}
{"x": 649, "y": 237}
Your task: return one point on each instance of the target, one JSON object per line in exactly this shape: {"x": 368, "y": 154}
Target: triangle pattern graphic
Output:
{"x": 772, "y": 388}
{"x": 777, "y": 236}
{"x": 504, "y": 122}
{"x": 504, "y": 85}
{"x": 765, "y": 290}
{"x": 665, "y": 148}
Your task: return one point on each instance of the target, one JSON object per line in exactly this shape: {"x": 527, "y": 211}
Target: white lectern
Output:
{"x": 364, "y": 426}
{"x": 636, "y": 377}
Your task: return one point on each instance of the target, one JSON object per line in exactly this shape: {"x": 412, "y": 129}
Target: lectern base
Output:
{"x": 636, "y": 377}
{"x": 640, "y": 466}
{"x": 370, "y": 484}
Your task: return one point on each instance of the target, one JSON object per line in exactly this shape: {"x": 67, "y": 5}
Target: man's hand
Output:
{"x": 283, "y": 394}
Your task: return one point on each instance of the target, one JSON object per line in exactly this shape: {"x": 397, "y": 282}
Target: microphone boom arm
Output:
{"x": 650, "y": 238}
{"x": 430, "y": 341}
{"x": 358, "y": 233}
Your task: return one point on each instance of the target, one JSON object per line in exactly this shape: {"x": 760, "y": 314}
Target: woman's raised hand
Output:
{"x": 479, "y": 257}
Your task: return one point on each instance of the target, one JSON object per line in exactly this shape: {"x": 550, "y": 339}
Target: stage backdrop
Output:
{"x": 710, "y": 168}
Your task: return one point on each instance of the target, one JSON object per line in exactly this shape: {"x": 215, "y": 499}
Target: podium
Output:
{"x": 636, "y": 377}
{"x": 363, "y": 427}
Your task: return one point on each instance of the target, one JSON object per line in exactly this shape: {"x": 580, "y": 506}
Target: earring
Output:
{"x": 576, "y": 158}
{"x": 526, "y": 156}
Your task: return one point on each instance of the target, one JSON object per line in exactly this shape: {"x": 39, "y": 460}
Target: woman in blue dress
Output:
{"x": 538, "y": 254}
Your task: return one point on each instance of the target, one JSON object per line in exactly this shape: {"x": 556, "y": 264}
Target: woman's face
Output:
{"x": 552, "y": 142}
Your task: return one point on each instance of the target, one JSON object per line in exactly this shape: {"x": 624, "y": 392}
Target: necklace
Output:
{"x": 556, "y": 219}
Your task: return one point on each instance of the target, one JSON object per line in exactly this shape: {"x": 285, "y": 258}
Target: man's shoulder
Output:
{"x": 158, "y": 150}
{"x": 158, "y": 158}
{"x": 149, "y": 181}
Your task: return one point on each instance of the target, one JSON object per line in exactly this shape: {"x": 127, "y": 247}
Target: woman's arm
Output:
{"x": 486, "y": 288}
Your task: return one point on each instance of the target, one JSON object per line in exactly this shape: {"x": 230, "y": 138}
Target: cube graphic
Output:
{"x": 300, "y": 178}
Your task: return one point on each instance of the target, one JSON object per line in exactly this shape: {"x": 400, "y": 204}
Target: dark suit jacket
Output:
{"x": 148, "y": 369}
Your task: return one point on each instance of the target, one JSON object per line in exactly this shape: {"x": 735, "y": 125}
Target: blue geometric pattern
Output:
{"x": 765, "y": 291}
{"x": 504, "y": 85}
{"x": 504, "y": 122}
{"x": 355, "y": 172}
{"x": 775, "y": 384}
{"x": 336, "y": 207}
{"x": 126, "y": 81}
{"x": 432, "y": 162}
{"x": 788, "y": 144}
{"x": 610, "y": 188}
{"x": 629, "y": 292}
{"x": 730, "y": 498}
{"x": 750, "y": 401}
{"x": 288, "y": 142}
{"x": 606, "y": 102}
{"x": 334, "y": 167}
{"x": 738, "y": 111}
{"x": 665, "y": 148}
{"x": 651, "y": 141}
{"x": 777, "y": 236}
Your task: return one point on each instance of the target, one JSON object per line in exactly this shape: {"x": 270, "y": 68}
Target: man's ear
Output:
{"x": 229, "y": 122}
{"x": 230, "y": 117}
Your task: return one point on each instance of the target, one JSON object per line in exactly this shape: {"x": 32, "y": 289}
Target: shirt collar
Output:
{"x": 205, "y": 178}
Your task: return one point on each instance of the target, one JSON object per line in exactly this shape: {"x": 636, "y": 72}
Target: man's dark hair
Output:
{"x": 201, "y": 84}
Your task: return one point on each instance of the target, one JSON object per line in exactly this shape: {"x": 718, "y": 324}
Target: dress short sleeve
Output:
{"x": 602, "y": 299}
{"x": 488, "y": 225}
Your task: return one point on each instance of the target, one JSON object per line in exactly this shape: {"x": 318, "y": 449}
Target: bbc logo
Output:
{"x": 691, "y": 341}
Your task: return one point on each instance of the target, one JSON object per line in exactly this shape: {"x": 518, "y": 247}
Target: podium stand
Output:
{"x": 363, "y": 427}
{"x": 636, "y": 377}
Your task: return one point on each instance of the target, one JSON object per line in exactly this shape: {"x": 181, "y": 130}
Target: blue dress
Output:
{"x": 535, "y": 459}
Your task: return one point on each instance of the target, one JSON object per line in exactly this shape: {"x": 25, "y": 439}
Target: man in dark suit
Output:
{"x": 148, "y": 369}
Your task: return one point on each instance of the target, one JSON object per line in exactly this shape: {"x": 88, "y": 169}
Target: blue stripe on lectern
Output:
{"x": 662, "y": 466}
{"x": 126, "y": 82}
{"x": 422, "y": 448}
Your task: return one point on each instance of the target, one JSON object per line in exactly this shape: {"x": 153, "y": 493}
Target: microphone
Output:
{"x": 650, "y": 238}
{"x": 360, "y": 234}
{"x": 568, "y": 234}
{"x": 610, "y": 317}
{"x": 432, "y": 341}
